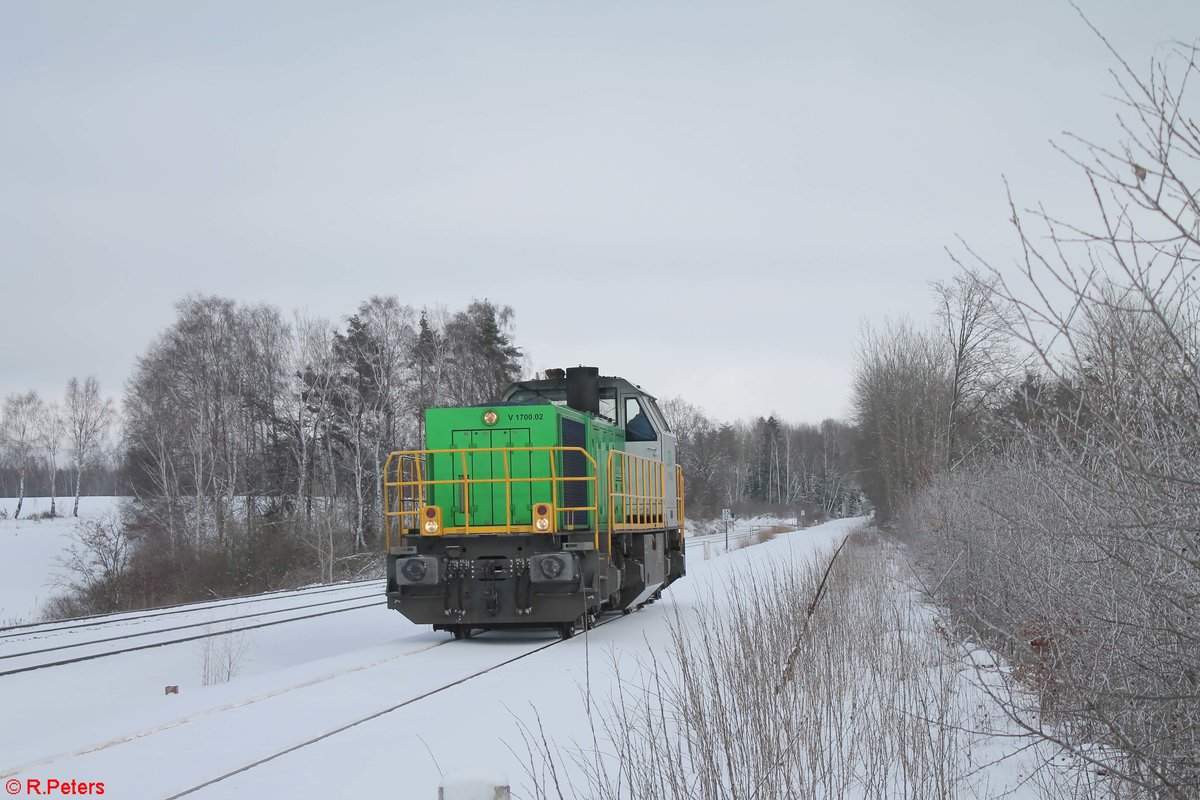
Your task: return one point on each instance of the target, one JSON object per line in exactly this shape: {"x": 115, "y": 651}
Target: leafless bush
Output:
{"x": 96, "y": 565}
{"x": 1093, "y": 612}
{"x": 221, "y": 657}
{"x": 1075, "y": 550}
{"x": 756, "y": 698}
{"x": 65, "y": 606}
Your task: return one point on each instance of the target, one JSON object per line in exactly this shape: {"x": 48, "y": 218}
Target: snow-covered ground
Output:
{"x": 367, "y": 670}
{"x": 109, "y": 719}
{"x": 30, "y": 550}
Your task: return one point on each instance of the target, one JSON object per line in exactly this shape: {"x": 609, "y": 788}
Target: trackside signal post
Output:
{"x": 727, "y": 517}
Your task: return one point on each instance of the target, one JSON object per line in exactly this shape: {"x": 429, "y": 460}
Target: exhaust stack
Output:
{"x": 583, "y": 389}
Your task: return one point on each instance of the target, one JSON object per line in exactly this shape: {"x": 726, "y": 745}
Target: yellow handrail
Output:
{"x": 642, "y": 494}
{"x": 679, "y": 500}
{"x": 406, "y": 493}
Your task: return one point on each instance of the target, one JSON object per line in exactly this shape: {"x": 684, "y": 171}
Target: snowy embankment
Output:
{"x": 404, "y": 705}
{"x": 31, "y": 551}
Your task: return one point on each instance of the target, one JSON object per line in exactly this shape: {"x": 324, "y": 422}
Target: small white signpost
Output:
{"x": 727, "y": 516}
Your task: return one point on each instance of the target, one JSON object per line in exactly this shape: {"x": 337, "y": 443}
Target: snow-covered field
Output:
{"x": 108, "y": 720}
{"x": 30, "y": 550}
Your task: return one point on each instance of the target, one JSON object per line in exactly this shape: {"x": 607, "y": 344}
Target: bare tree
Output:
{"x": 1075, "y": 550}
{"x": 88, "y": 419}
{"x": 315, "y": 371}
{"x": 428, "y": 360}
{"x": 975, "y": 323}
{"x": 19, "y": 436}
{"x": 51, "y": 428}
{"x": 375, "y": 351}
{"x": 901, "y": 392}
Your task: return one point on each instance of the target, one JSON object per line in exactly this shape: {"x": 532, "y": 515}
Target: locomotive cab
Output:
{"x": 615, "y": 400}
{"x": 558, "y": 502}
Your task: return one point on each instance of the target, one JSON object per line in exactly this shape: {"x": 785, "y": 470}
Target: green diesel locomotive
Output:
{"x": 555, "y": 504}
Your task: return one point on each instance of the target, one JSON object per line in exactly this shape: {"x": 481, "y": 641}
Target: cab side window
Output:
{"x": 608, "y": 408}
{"x": 637, "y": 424}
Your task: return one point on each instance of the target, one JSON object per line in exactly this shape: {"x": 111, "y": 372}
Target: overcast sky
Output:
{"x": 707, "y": 198}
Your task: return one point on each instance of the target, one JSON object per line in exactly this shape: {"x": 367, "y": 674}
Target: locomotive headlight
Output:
{"x": 542, "y": 513}
{"x": 433, "y": 520}
{"x": 415, "y": 569}
{"x": 552, "y": 566}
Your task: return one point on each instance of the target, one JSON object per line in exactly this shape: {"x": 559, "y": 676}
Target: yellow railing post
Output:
{"x": 612, "y": 503}
{"x": 466, "y": 484}
{"x": 679, "y": 499}
{"x": 643, "y": 494}
{"x": 553, "y": 489}
{"x": 387, "y": 524}
{"x": 507, "y": 490}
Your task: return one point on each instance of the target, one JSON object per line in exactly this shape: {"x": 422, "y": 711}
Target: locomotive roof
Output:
{"x": 555, "y": 384}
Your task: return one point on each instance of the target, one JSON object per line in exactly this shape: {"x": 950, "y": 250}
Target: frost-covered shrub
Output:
{"x": 764, "y": 694}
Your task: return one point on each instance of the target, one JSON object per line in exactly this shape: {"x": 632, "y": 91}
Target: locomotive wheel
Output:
{"x": 625, "y": 612}
{"x": 566, "y": 629}
{"x": 462, "y": 631}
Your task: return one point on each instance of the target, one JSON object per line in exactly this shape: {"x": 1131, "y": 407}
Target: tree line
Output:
{"x": 1037, "y": 444}
{"x": 252, "y": 444}
{"x": 46, "y": 446}
{"x": 763, "y": 464}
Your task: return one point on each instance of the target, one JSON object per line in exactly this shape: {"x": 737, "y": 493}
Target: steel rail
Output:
{"x": 181, "y": 640}
{"x": 207, "y": 623}
{"x": 114, "y": 617}
{"x": 376, "y": 715}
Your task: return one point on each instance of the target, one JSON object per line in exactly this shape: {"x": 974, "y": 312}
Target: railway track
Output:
{"x": 10, "y": 663}
{"x": 345, "y": 726}
{"x": 243, "y": 739}
{"x": 252, "y": 622}
{"x": 380, "y": 713}
{"x": 720, "y": 538}
{"x": 35, "y": 629}
{"x": 195, "y": 717}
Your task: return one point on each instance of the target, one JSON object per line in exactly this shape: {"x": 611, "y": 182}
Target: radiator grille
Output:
{"x": 574, "y": 493}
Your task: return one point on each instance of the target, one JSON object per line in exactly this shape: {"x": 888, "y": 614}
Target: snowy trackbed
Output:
{"x": 31, "y": 647}
{"x": 311, "y": 700}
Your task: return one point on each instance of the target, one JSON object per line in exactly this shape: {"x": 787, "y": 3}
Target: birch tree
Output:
{"x": 19, "y": 436}
{"x": 50, "y": 429}
{"x": 88, "y": 417}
